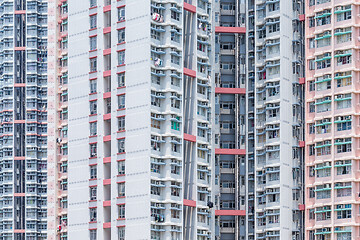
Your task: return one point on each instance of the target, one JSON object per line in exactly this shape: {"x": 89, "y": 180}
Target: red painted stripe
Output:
{"x": 301, "y": 144}
{"x": 107, "y": 182}
{"x": 225, "y": 151}
{"x": 19, "y": 158}
{"x": 19, "y": 48}
{"x": 189, "y": 72}
{"x": 107, "y": 138}
{"x": 107, "y": 225}
{"x": 107, "y": 73}
{"x": 107, "y": 160}
{"x": 107, "y": 8}
{"x": 20, "y": 12}
{"x": 107, "y": 30}
{"x": 230, "y": 213}
{"x": 301, "y": 207}
{"x": 107, "y": 51}
{"x": 189, "y": 203}
{"x": 230, "y": 90}
{"x": 19, "y": 230}
{"x": 190, "y": 8}
{"x": 19, "y": 121}
{"x": 107, "y": 95}
{"x": 189, "y": 137}
{"x": 302, "y": 17}
{"x": 19, "y": 194}
{"x": 230, "y": 30}
{"x": 107, "y": 203}
{"x": 301, "y": 80}
{"x": 107, "y": 116}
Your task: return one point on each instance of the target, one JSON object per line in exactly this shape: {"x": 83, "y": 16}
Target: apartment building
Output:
{"x": 141, "y": 99}
{"x": 230, "y": 114}
{"x": 332, "y": 121}
{"x": 29, "y": 124}
{"x": 275, "y": 77}
{"x": 57, "y": 109}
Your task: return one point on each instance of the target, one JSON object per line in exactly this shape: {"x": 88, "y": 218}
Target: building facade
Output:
{"x": 230, "y": 114}
{"x": 28, "y": 118}
{"x": 141, "y": 94}
{"x": 275, "y": 60}
{"x": 332, "y": 106}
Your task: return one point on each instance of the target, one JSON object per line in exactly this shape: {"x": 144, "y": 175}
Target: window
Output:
{"x": 121, "y": 35}
{"x": 93, "y": 43}
{"x": 121, "y": 79}
{"x": 311, "y": 107}
{"x": 343, "y": 57}
{"x": 323, "y": 104}
{"x": 323, "y": 148}
{"x": 121, "y": 14}
{"x": 323, "y": 126}
{"x": 121, "y": 168}
{"x": 343, "y": 189}
{"x": 311, "y": 85}
{"x": 175, "y": 15}
{"x": 93, "y": 86}
{"x": 311, "y": 43}
{"x": 93, "y": 172}
{"x": 93, "y": 213}
{"x": 343, "y": 35}
{"x": 311, "y": 214}
{"x": 121, "y": 101}
{"x": 121, "y": 211}
{"x": 323, "y": 213}
{"x": 274, "y": 6}
{"x": 323, "y": 82}
{"x": 93, "y": 21}
{"x": 121, "y": 58}
{"x": 93, "y": 3}
{"x": 311, "y": 171}
{"x": 121, "y": 145}
{"x": 311, "y": 128}
{"x": 343, "y": 145}
{"x": 323, "y": 61}
{"x": 343, "y": 79}
{"x": 343, "y": 101}
{"x": 323, "y": 169}
{"x": 92, "y": 234}
{"x": 121, "y": 189}
{"x": 343, "y": 211}
{"x": 121, "y": 233}
{"x": 323, "y": 191}
{"x": 93, "y": 149}
{"x": 121, "y": 123}
{"x": 311, "y": 22}
{"x": 343, "y": 13}
{"x": 311, "y": 64}
{"x": 311, "y": 192}
{"x": 343, "y": 167}
{"x": 343, "y": 123}
{"x": 93, "y": 191}
{"x": 323, "y": 17}
{"x": 93, "y": 107}
{"x": 93, "y": 64}
{"x": 274, "y": 25}
{"x": 323, "y": 39}
{"x": 93, "y": 128}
